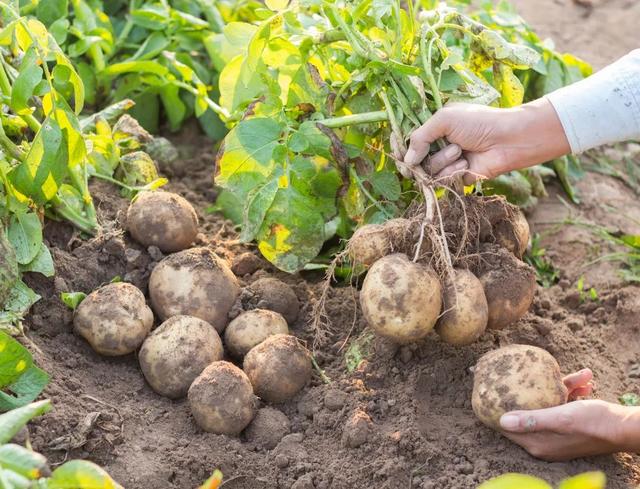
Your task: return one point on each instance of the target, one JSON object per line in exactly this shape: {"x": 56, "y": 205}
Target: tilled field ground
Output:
{"x": 403, "y": 419}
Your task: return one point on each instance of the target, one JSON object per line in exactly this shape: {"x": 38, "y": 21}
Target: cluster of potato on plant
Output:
{"x": 192, "y": 292}
{"x": 405, "y": 296}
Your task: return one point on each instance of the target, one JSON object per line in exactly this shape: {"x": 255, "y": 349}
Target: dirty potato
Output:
{"x": 251, "y": 328}
{"x": 368, "y": 244}
{"x": 177, "y": 352}
{"x": 515, "y": 377}
{"x": 273, "y": 294}
{"x": 114, "y": 319}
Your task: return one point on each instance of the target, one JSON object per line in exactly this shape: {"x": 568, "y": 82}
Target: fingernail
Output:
{"x": 411, "y": 157}
{"x": 452, "y": 151}
{"x": 509, "y": 422}
{"x": 460, "y": 166}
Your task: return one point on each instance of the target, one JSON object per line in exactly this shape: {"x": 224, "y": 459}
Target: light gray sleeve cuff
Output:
{"x": 602, "y": 109}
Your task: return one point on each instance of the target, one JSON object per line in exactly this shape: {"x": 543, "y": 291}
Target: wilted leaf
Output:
{"x": 588, "y": 480}
{"x": 515, "y": 481}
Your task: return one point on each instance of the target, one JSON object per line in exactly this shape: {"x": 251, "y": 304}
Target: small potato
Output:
{"x": 251, "y": 328}
{"x": 278, "y": 368}
{"x": 403, "y": 235}
{"x": 177, "y": 352}
{"x": 275, "y": 295}
{"x": 222, "y": 400}
{"x": 114, "y": 319}
{"x": 515, "y": 377}
{"x": 509, "y": 286}
{"x": 401, "y": 300}
{"x": 513, "y": 233}
{"x": 368, "y": 244}
{"x": 162, "y": 219}
{"x": 465, "y": 310}
{"x": 194, "y": 282}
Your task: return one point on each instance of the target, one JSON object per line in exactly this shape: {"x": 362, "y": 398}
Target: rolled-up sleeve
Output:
{"x": 604, "y": 108}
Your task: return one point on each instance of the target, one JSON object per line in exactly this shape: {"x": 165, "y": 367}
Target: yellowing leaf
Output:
{"x": 515, "y": 481}
{"x": 509, "y": 86}
{"x": 588, "y": 480}
{"x": 276, "y": 4}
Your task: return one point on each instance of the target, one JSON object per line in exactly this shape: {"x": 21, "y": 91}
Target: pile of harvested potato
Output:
{"x": 192, "y": 291}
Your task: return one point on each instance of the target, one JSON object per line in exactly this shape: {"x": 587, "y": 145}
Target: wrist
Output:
{"x": 537, "y": 133}
{"x": 628, "y": 437}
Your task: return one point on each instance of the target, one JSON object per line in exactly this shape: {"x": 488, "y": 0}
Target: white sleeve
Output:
{"x": 604, "y": 108}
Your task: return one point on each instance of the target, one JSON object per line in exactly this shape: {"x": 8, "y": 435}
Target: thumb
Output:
{"x": 557, "y": 419}
{"x": 420, "y": 141}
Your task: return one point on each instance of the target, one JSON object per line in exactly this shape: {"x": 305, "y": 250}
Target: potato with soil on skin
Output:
{"x": 278, "y": 368}
{"x": 368, "y": 244}
{"x": 222, "y": 400}
{"x": 509, "y": 286}
{"x": 513, "y": 233}
{"x": 162, "y": 219}
{"x": 114, "y": 319}
{"x": 403, "y": 235}
{"x": 251, "y": 328}
{"x": 401, "y": 300}
{"x": 194, "y": 282}
{"x": 177, "y": 352}
{"x": 465, "y": 309}
{"x": 275, "y": 295}
{"x": 515, "y": 377}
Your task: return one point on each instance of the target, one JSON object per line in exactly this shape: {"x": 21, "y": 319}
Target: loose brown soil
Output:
{"x": 402, "y": 419}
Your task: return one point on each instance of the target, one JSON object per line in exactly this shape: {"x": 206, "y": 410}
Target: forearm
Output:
{"x": 602, "y": 109}
{"x": 629, "y": 430}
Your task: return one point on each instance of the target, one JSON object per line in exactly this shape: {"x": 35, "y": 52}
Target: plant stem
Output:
{"x": 221, "y": 111}
{"x": 10, "y": 146}
{"x": 354, "y": 119}
{"x": 321, "y": 373}
{"x": 109, "y": 179}
{"x": 70, "y": 214}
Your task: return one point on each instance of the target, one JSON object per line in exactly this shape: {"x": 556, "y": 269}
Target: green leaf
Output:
{"x": 72, "y": 299}
{"x": 629, "y": 399}
{"x": 9, "y": 272}
{"x": 42, "y": 263}
{"x": 20, "y": 300}
{"x": 48, "y": 11}
{"x": 588, "y": 480}
{"x": 25, "y": 234}
{"x": 14, "y": 420}
{"x": 81, "y": 474}
{"x": 25, "y": 462}
{"x": 515, "y": 481}
{"x": 386, "y": 184}
{"x": 15, "y": 360}
{"x": 24, "y": 86}
{"x": 26, "y": 389}
{"x": 151, "y": 16}
{"x": 509, "y": 86}
{"x": 256, "y": 207}
{"x": 276, "y": 5}
{"x": 173, "y": 105}
{"x": 136, "y": 67}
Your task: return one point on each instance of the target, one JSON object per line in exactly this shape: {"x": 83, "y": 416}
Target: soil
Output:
{"x": 403, "y": 417}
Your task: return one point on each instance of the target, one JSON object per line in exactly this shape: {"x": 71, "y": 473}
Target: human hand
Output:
{"x": 486, "y": 141}
{"x": 576, "y": 429}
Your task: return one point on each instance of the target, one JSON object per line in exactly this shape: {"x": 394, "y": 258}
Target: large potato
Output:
{"x": 401, "y": 300}
{"x": 114, "y": 319}
{"x": 509, "y": 286}
{"x": 195, "y": 283}
{"x": 368, "y": 244}
{"x": 177, "y": 352}
{"x": 222, "y": 400}
{"x": 278, "y": 368}
{"x": 162, "y": 219}
{"x": 465, "y": 308}
{"x": 251, "y": 328}
{"x": 515, "y": 377}
{"x": 275, "y": 295}
{"x": 512, "y": 233}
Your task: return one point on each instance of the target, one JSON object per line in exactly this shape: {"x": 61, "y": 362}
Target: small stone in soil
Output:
{"x": 357, "y": 429}
{"x": 304, "y": 482}
{"x": 575, "y": 324}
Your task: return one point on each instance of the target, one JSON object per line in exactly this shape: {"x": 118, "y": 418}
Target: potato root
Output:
{"x": 368, "y": 244}
{"x": 177, "y": 352}
{"x": 509, "y": 286}
{"x": 222, "y": 400}
{"x": 401, "y": 300}
{"x": 162, "y": 219}
{"x": 278, "y": 368}
{"x": 465, "y": 309}
{"x": 194, "y": 282}
{"x": 515, "y": 377}
{"x": 251, "y": 328}
{"x": 114, "y": 319}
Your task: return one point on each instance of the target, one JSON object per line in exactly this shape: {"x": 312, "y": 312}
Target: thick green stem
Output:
{"x": 68, "y": 213}
{"x": 221, "y": 111}
{"x": 355, "y": 119}
{"x": 10, "y": 146}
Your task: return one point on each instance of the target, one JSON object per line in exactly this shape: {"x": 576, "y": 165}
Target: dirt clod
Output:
{"x": 268, "y": 428}
{"x": 357, "y": 429}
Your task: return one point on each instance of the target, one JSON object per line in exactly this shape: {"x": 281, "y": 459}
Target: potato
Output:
{"x": 114, "y": 319}
{"x": 515, "y": 377}
{"x": 513, "y": 233}
{"x": 194, "y": 282}
{"x": 162, "y": 219}
{"x": 222, "y": 400}
{"x": 401, "y": 300}
{"x": 275, "y": 295}
{"x": 251, "y": 328}
{"x": 509, "y": 286}
{"x": 177, "y": 352}
{"x": 368, "y": 244}
{"x": 278, "y": 368}
{"x": 465, "y": 310}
